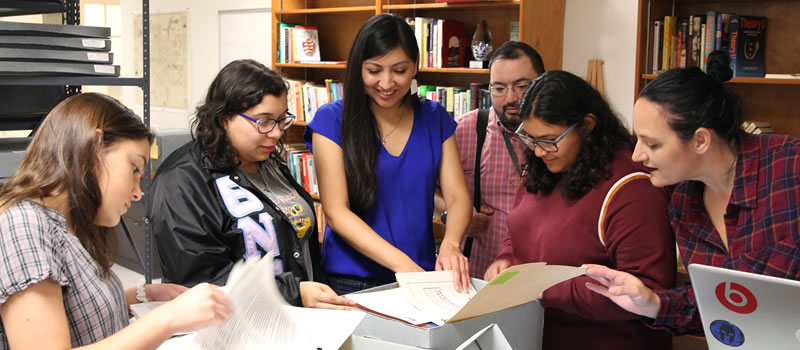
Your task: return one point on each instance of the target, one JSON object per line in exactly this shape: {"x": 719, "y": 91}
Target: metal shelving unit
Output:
{"x": 70, "y": 14}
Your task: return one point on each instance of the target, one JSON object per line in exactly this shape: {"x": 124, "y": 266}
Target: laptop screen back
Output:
{"x": 741, "y": 310}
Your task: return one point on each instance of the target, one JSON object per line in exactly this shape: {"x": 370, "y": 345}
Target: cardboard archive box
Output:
{"x": 510, "y": 301}
{"x": 522, "y": 326}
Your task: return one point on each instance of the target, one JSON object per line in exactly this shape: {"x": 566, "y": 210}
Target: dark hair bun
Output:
{"x": 719, "y": 66}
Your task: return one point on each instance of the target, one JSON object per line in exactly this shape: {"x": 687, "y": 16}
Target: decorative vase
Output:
{"x": 482, "y": 42}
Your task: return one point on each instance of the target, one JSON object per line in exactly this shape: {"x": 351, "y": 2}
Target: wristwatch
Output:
{"x": 443, "y": 217}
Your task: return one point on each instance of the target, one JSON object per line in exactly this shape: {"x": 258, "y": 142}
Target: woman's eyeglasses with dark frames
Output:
{"x": 547, "y": 145}
{"x": 264, "y": 126}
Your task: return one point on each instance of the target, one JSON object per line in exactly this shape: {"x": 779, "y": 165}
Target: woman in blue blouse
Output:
{"x": 379, "y": 155}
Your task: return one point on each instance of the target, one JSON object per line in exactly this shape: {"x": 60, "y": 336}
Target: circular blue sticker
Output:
{"x": 727, "y": 333}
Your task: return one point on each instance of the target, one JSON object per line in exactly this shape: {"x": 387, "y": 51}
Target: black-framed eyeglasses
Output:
{"x": 265, "y": 125}
{"x": 502, "y": 90}
{"x": 547, "y": 145}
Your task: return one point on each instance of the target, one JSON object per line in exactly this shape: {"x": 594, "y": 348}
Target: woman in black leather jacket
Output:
{"x": 227, "y": 194}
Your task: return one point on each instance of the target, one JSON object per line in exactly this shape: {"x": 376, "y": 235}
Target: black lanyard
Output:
{"x": 512, "y": 153}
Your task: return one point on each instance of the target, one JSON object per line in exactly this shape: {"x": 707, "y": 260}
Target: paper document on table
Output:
{"x": 434, "y": 292}
{"x": 259, "y": 317}
{"x": 331, "y": 327}
{"x": 392, "y": 303}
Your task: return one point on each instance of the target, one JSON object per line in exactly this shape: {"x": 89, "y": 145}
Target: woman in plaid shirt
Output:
{"x": 737, "y": 202}
{"x": 57, "y": 212}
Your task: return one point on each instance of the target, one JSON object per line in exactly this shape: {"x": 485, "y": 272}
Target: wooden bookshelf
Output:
{"x": 339, "y": 21}
{"x": 768, "y": 100}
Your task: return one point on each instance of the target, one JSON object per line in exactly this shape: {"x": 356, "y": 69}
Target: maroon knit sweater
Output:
{"x": 638, "y": 239}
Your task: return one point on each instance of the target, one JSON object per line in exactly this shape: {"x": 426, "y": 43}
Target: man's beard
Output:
{"x": 510, "y": 123}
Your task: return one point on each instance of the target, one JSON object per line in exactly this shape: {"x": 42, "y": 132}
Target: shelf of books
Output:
{"x": 760, "y": 36}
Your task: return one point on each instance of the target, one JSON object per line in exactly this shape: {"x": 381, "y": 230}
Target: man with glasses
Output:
{"x": 511, "y": 69}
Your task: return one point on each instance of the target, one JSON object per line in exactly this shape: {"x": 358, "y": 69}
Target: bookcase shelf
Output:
{"x": 446, "y": 5}
{"x": 309, "y": 65}
{"x": 763, "y": 99}
{"x": 326, "y": 10}
{"x": 459, "y": 70}
{"x": 761, "y": 81}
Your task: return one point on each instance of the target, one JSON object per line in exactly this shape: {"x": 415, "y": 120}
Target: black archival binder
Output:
{"x": 47, "y": 42}
{"x": 45, "y": 55}
{"x": 60, "y": 30}
{"x": 55, "y": 68}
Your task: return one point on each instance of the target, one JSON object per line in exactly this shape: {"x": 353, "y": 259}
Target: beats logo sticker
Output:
{"x": 736, "y": 297}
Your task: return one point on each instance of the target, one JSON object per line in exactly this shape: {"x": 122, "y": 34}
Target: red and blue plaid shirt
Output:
{"x": 499, "y": 181}
{"x": 761, "y": 220}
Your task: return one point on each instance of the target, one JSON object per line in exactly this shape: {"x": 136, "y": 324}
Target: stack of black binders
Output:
{"x": 55, "y": 49}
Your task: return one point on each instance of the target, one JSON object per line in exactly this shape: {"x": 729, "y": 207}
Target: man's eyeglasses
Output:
{"x": 266, "y": 125}
{"x": 502, "y": 90}
{"x": 547, "y": 145}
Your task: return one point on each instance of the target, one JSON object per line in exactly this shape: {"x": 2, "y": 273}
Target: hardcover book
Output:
{"x": 306, "y": 44}
{"x": 722, "y": 36}
{"x": 710, "y": 39}
{"x": 658, "y": 39}
{"x": 451, "y": 34}
{"x": 696, "y": 37}
{"x": 747, "y": 45}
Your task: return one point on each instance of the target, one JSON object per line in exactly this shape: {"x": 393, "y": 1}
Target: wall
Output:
{"x": 606, "y": 30}
{"x": 203, "y": 22}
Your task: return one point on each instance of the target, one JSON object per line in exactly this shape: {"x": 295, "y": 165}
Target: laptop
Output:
{"x": 742, "y": 310}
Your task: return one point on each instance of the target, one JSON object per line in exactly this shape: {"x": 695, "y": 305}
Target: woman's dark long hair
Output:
{"x": 64, "y": 157}
{"x": 239, "y": 86}
{"x": 561, "y": 98}
{"x": 693, "y": 99}
{"x": 360, "y": 147}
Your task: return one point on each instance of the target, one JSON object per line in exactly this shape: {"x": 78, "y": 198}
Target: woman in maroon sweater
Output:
{"x": 577, "y": 151}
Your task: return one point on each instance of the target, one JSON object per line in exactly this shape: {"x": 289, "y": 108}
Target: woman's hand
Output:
{"x": 480, "y": 219}
{"x": 202, "y": 306}
{"x": 624, "y": 289}
{"x": 496, "y": 268}
{"x": 163, "y": 291}
{"x": 321, "y": 296}
{"x": 450, "y": 258}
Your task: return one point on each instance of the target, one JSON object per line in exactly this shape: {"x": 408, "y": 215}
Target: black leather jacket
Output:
{"x": 205, "y": 219}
